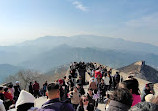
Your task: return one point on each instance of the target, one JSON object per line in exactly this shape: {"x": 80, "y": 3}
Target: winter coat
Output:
{"x": 81, "y": 91}
{"x": 117, "y": 106}
{"x": 75, "y": 99}
{"x": 56, "y": 105}
{"x": 93, "y": 85}
{"x": 106, "y": 80}
{"x": 97, "y": 72}
{"x": 144, "y": 106}
{"x": 35, "y": 86}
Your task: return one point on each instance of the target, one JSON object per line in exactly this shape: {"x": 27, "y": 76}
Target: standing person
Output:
{"x": 80, "y": 89}
{"x": 17, "y": 90}
{"x": 102, "y": 89}
{"x": 54, "y": 104}
{"x": 75, "y": 97}
{"x": 80, "y": 81}
{"x": 85, "y": 105}
{"x": 116, "y": 79}
{"x": 133, "y": 86}
{"x": 45, "y": 88}
{"x": 121, "y": 100}
{"x": 93, "y": 84}
{"x": 11, "y": 89}
{"x": 90, "y": 96}
{"x": 107, "y": 81}
{"x": 82, "y": 71}
{"x": 146, "y": 91}
{"x": 36, "y": 88}
{"x": 31, "y": 88}
{"x": 8, "y": 99}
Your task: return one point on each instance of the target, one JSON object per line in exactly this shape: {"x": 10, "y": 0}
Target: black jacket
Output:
{"x": 89, "y": 108}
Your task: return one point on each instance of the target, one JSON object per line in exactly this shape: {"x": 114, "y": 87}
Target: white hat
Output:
{"x": 149, "y": 97}
{"x": 25, "y": 97}
{"x": 17, "y": 82}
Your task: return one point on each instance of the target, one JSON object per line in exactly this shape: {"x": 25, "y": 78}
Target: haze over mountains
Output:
{"x": 47, "y": 52}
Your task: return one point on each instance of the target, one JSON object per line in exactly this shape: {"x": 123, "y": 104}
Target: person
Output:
{"x": 25, "y": 102}
{"x": 85, "y": 105}
{"x": 1, "y": 93}
{"x": 8, "y": 98}
{"x": 146, "y": 106}
{"x": 75, "y": 97}
{"x": 90, "y": 96}
{"x": 102, "y": 89}
{"x": 80, "y": 81}
{"x": 93, "y": 84}
{"x": 133, "y": 86}
{"x": 17, "y": 90}
{"x": 54, "y": 104}
{"x": 31, "y": 88}
{"x": 2, "y": 108}
{"x": 116, "y": 79}
{"x": 36, "y": 88}
{"x": 80, "y": 89}
{"x": 107, "y": 81}
{"x": 11, "y": 89}
{"x": 45, "y": 88}
{"x": 121, "y": 100}
{"x": 145, "y": 92}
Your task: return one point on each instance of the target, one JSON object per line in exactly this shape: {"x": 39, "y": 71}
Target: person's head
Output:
{"x": 64, "y": 77}
{"x": 90, "y": 91}
{"x": 75, "y": 89}
{"x": 6, "y": 89}
{"x": 30, "y": 83}
{"x": 132, "y": 85}
{"x": 80, "y": 77}
{"x": 84, "y": 100}
{"x": 78, "y": 86}
{"x": 1, "y": 89}
{"x": 35, "y": 81}
{"x": 123, "y": 96}
{"x": 17, "y": 82}
{"x": 147, "y": 86}
{"x": 25, "y": 101}
{"x": 53, "y": 91}
{"x": 102, "y": 80}
{"x": 10, "y": 86}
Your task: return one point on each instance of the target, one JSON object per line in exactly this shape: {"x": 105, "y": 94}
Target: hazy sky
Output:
{"x": 135, "y": 20}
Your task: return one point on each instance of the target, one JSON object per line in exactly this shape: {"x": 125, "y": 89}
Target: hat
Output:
{"x": 17, "y": 82}
{"x": 60, "y": 81}
{"x": 25, "y": 97}
{"x": 149, "y": 97}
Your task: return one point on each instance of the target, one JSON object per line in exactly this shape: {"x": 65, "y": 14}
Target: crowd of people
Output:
{"x": 74, "y": 93}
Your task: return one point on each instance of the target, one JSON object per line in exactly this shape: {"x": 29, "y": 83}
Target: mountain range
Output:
{"x": 48, "y": 52}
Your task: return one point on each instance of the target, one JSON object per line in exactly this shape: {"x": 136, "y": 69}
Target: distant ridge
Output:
{"x": 141, "y": 70}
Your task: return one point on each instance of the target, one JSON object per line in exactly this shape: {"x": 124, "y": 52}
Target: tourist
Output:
{"x": 36, "y": 88}
{"x": 121, "y": 100}
{"x": 133, "y": 86}
{"x": 85, "y": 105}
{"x": 54, "y": 104}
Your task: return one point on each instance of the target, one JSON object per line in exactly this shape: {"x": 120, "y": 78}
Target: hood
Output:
{"x": 25, "y": 97}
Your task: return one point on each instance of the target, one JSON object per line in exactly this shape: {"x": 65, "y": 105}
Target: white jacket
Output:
{"x": 106, "y": 80}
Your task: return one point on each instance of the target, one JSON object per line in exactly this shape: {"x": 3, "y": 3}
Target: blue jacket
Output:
{"x": 56, "y": 105}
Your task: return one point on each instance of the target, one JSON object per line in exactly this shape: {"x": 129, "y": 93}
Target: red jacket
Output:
{"x": 36, "y": 86}
{"x": 97, "y": 72}
{"x": 7, "y": 95}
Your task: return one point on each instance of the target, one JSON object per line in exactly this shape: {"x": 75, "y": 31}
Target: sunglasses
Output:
{"x": 85, "y": 100}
